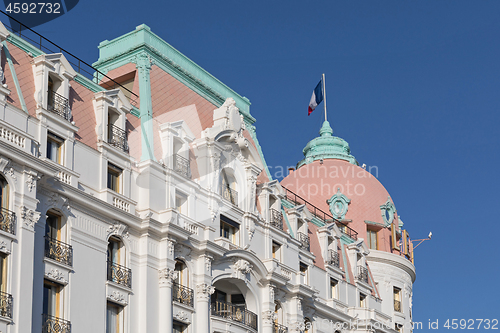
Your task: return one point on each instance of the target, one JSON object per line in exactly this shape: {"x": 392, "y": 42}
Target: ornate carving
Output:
{"x": 204, "y": 290}
{"x": 56, "y": 275}
{"x": 118, "y": 229}
{"x": 297, "y": 326}
{"x": 29, "y": 217}
{"x": 208, "y": 263}
{"x": 10, "y": 172}
{"x": 118, "y": 297}
{"x": 181, "y": 250}
{"x": 167, "y": 275}
{"x": 250, "y": 228}
{"x": 171, "y": 247}
{"x": 269, "y": 316}
{"x": 3, "y": 247}
{"x": 243, "y": 266}
{"x": 182, "y": 316}
{"x": 31, "y": 180}
{"x": 272, "y": 287}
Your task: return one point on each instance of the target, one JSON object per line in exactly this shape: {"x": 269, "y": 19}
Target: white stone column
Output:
{"x": 203, "y": 293}
{"x": 268, "y": 314}
{"x": 166, "y": 278}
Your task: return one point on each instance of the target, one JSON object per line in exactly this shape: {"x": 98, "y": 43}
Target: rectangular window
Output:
{"x": 54, "y": 147}
{"x": 362, "y": 300}
{"x": 333, "y": 288}
{"x": 51, "y": 299}
{"x": 276, "y": 251}
{"x": 372, "y": 239}
{"x": 397, "y": 299}
{"x": 181, "y": 203}
{"x": 114, "y": 175}
{"x": 304, "y": 272}
{"x": 228, "y": 229}
{"x": 113, "y": 318}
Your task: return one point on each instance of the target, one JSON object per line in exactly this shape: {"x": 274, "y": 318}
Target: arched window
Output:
{"x": 279, "y": 320}
{"x": 4, "y": 193}
{"x": 7, "y": 217}
{"x": 229, "y": 187}
{"x": 117, "y": 272}
{"x": 180, "y": 292}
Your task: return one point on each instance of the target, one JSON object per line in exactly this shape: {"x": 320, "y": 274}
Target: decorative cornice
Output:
{"x": 118, "y": 297}
{"x": 56, "y": 275}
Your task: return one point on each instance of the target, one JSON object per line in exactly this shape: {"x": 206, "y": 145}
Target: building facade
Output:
{"x": 140, "y": 201}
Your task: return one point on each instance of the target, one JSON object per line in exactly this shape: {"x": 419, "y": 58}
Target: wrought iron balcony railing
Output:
{"x": 7, "y": 221}
{"x": 5, "y": 305}
{"x": 276, "y": 218}
{"x": 320, "y": 214}
{"x": 397, "y": 306}
{"x": 304, "y": 240}
{"x": 233, "y": 312}
{"x": 230, "y": 195}
{"x": 51, "y": 324}
{"x": 278, "y": 328}
{"x": 119, "y": 274}
{"x": 58, "y": 104}
{"x": 58, "y": 251}
{"x": 183, "y": 294}
{"x": 362, "y": 274}
{"x": 333, "y": 258}
{"x": 117, "y": 137}
{"x": 182, "y": 166}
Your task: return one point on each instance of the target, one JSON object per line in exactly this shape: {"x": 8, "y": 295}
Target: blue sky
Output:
{"x": 411, "y": 85}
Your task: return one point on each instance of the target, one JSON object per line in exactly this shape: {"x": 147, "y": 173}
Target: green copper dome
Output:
{"x": 327, "y": 146}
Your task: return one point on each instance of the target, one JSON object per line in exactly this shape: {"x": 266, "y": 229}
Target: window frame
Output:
{"x": 117, "y": 172}
{"x": 369, "y": 234}
{"x": 59, "y": 142}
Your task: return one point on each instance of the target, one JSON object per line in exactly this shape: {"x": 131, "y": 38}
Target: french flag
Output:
{"x": 316, "y": 98}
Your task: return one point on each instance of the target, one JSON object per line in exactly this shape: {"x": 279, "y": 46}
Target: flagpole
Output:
{"x": 324, "y": 94}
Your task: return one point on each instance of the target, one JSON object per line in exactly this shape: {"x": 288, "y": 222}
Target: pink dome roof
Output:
{"x": 317, "y": 182}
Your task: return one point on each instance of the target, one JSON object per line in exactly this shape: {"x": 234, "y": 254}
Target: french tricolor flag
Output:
{"x": 316, "y": 98}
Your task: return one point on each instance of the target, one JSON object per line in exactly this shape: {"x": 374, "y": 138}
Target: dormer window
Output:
{"x": 56, "y": 102}
{"x": 111, "y": 108}
{"x": 117, "y": 137}
{"x": 52, "y": 75}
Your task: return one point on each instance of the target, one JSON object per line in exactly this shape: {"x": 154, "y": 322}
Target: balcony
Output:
{"x": 119, "y": 274}
{"x": 278, "y": 328}
{"x": 397, "y": 306}
{"x": 59, "y": 105}
{"x": 5, "y": 305}
{"x": 58, "y": 251}
{"x": 182, "y": 166}
{"x": 236, "y": 313}
{"x": 230, "y": 195}
{"x": 117, "y": 137}
{"x": 183, "y": 294}
{"x": 304, "y": 240}
{"x": 276, "y": 218}
{"x": 51, "y": 324}
{"x": 362, "y": 274}
{"x": 319, "y": 214}
{"x": 7, "y": 221}
{"x": 333, "y": 258}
